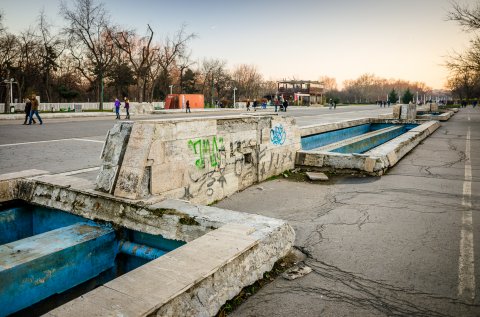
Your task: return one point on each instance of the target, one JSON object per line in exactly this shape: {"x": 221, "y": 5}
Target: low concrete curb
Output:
{"x": 373, "y": 162}
{"x": 47, "y": 115}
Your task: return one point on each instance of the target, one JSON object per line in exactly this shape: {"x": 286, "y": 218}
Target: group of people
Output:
{"x": 31, "y": 108}
{"x": 383, "y": 103}
{"x": 464, "y": 103}
{"x": 117, "y": 107}
{"x": 277, "y": 103}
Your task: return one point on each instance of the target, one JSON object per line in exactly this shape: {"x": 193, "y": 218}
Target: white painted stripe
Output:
{"x": 47, "y": 141}
{"x": 88, "y": 140}
{"x": 466, "y": 264}
{"x": 85, "y": 170}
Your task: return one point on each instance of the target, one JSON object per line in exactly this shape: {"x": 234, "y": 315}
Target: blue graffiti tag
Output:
{"x": 278, "y": 135}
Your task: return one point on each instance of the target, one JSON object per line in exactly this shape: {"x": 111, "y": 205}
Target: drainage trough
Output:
{"x": 365, "y": 145}
{"x": 101, "y": 255}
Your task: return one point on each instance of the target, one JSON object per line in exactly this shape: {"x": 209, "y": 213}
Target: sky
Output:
{"x": 296, "y": 39}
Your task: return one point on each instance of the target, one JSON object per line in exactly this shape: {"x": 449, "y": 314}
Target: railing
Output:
{"x": 66, "y": 106}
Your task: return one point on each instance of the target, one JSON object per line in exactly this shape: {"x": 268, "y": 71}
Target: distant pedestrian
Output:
{"x": 117, "y": 108}
{"x": 34, "y": 110}
{"x": 187, "y": 110}
{"x": 277, "y": 103}
{"x": 475, "y": 102}
{"x": 255, "y": 104}
{"x": 28, "y": 109}
{"x": 127, "y": 107}
{"x": 330, "y": 104}
{"x": 285, "y": 105}
{"x": 248, "y": 105}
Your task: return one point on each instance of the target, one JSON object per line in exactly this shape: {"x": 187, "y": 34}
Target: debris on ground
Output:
{"x": 317, "y": 176}
{"x": 296, "y": 271}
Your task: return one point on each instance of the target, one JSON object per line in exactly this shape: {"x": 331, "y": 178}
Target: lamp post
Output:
{"x": 234, "y": 89}
{"x": 171, "y": 87}
{"x": 11, "y": 82}
{"x": 11, "y": 90}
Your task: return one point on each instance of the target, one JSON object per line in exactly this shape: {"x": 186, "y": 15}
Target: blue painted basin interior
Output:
{"x": 48, "y": 257}
{"x": 314, "y": 141}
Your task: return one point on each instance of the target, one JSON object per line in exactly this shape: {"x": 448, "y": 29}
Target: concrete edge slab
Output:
{"x": 220, "y": 269}
{"x": 375, "y": 161}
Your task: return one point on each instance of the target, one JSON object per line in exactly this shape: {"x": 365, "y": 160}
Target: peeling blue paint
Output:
{"x": 44, "y": 252}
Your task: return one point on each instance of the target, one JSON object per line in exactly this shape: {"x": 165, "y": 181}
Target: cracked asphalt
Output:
{"x": 379, "y": 246}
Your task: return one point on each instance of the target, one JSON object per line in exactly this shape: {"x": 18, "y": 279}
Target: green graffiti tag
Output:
{"x": 204, "y": 148}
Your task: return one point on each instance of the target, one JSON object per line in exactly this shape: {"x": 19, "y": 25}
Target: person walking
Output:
{"x": 34, "y": 110}
{"x": 285, "y": 105}
{"x": 187, "y": 110}
{"x": 127, "y": 107}
{"x": 248, "y": 105}
{"x": 255, "y": 104}
{"x": 28, "y": 109}
{"x": 277, "y": 103}
{"x": 117, "y": 108}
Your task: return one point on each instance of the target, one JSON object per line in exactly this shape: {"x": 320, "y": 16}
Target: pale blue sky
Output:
{"x": 305, "y": 39}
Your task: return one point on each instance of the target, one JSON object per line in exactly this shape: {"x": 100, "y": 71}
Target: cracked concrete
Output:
{"x": 378, "y": 246}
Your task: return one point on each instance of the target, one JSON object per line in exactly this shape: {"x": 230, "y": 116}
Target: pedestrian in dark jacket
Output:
{"x": 285, "y": 105}
{"x": 28, "y": 109}
{"x": 34, "y": 110}
{"x": 188, "y": 107}
{"x": 127, "y": 107}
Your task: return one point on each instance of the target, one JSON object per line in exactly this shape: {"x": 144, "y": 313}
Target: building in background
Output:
{"x": 301, "y": 92}
{"x": 178, "y": 101}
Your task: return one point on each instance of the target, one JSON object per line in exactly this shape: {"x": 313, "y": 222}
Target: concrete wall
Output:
{"x": 198, "y": 159}
{"x": 227, "y": 250}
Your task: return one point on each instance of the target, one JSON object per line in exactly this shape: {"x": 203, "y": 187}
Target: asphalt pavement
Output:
{"x": 404, "y": 244}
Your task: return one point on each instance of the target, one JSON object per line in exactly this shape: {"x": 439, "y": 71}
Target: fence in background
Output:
{"x": 57, "y": 106}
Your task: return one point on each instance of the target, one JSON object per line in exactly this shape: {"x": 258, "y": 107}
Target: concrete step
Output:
{"x": 37, "y": 267}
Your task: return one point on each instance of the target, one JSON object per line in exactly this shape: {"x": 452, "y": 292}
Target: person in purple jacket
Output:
{"x": 117, "y": 108}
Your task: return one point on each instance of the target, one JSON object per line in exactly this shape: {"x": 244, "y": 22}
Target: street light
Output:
{"x": 11, "y": 81}
{"x": 234, "y": 89}
{"x": 171, "y": 87}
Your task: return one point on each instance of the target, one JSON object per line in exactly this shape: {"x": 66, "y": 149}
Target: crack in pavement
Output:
{"x": 337, "y": 285}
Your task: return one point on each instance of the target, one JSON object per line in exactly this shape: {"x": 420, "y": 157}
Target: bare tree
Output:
{"x": 215, "y": 78}
{"x": 172, "y": 49}
{"x": 329, "y": 83}
{"x": 90, "y": 39}
{"x": 248, "y": 80}
{"x": 465, "y": 66}
{"x": 52, "y": 47}
{"x": 468, "y": 18}
{"x": 140, "y": 53}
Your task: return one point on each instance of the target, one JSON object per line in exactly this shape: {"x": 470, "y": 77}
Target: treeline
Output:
{"x": 92, "y": 58}
{"x": 369, "y": 88}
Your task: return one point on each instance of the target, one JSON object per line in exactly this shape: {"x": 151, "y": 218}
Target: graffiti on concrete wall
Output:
{"x": 278, "y": 135}
{"x": 207, "y": 150}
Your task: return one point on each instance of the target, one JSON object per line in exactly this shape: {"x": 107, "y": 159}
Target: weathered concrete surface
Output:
{"x": 375, "y": 161}
{"x": 200, "y": 160}
{"x": 379, "y": 246}
{"x": 112, "y": 156}
{"x": 227, "y": 250}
